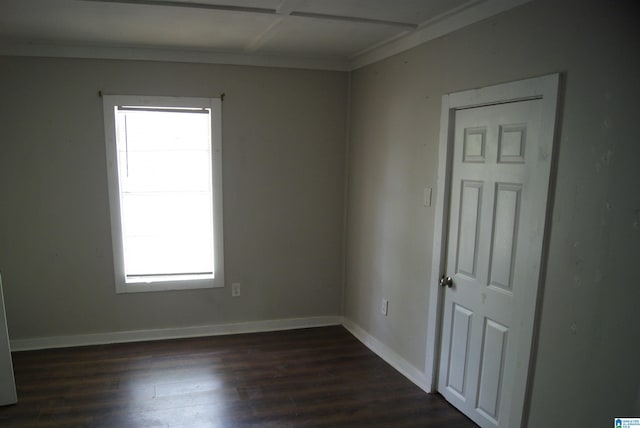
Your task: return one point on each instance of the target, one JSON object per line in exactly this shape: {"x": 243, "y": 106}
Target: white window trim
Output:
{"x": 184, "y": 282}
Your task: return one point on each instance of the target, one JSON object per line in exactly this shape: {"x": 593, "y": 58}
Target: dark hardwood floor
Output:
{"x": 321, "y": 377}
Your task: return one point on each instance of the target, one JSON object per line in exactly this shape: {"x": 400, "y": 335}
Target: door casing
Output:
{"x": 545, "y": 88}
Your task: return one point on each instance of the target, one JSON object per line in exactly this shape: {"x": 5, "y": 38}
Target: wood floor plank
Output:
{"x": 320, "y": 377}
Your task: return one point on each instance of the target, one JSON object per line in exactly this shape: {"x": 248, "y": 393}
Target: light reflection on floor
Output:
{"x": 190, "y": 397}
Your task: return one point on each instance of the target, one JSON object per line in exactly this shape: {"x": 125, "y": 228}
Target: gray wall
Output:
{"x": 587, "y": 369}
{"x": 283, "y": 144}
{"x": 284, "y": 133}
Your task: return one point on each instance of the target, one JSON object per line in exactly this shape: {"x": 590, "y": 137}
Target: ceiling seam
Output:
{"x": 190, "y": 5}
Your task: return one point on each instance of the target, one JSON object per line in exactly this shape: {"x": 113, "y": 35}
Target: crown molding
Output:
{"x": 37, "y": 49}
{"x": 469, "y": 13}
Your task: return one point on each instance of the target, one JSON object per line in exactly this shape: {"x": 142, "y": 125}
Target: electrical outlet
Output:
{"x": 384, "y": 307}
{"x": 235, "y": 289}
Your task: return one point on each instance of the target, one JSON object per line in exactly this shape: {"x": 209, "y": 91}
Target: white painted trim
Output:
{"x": 380, "y": 349}
{"x": 8, "y": 385}
{"x": 387, "y": 354}
{"x": 170, "y": 55}
{"x": 434, "y": 314}
{"x": 545, "y": 88}
{"x": 470, "y": 13}
{"x": 188, "y": 282}
{"x": 172, "y": 333}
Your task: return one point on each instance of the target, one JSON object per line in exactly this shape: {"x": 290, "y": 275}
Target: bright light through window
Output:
{"x": 166, "y": 192}
{"x": 164, "y": 166}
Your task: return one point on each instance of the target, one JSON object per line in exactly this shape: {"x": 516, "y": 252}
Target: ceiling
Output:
{"x": 332, "y": 34}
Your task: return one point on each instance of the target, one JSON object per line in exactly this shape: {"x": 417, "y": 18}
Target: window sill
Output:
{"x": 167, "y": 283}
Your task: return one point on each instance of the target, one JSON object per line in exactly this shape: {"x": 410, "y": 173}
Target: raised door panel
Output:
{"x": 494, "y": 345}
{"x": 459, "y": 350}
{"x": 469, "y": 227}
{"x": 505, "y": 233}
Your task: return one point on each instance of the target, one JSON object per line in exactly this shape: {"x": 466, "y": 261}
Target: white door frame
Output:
{"x": 545, "y": 88}
{"x": 8, "y": 386}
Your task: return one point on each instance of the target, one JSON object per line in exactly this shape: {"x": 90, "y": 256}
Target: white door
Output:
{"x": 499, "y": 184}
{"x": 7, "y": 384}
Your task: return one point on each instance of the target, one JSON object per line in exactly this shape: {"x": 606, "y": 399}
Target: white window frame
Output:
{"x": 182, "y": 282}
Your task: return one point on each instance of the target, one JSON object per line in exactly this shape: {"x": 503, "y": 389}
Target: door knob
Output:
{"x": 446, "y": 281}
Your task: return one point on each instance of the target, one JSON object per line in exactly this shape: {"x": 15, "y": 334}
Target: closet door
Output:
{"x": 7, "y": 382}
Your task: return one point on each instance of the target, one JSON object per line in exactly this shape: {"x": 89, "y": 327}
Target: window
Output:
{"x": 165, "y": 191}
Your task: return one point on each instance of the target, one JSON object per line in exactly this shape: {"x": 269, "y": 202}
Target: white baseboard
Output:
{"x": 389, "y": 355}
{"x": 383, "y": 351}
{"x": 172, "y": 333}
